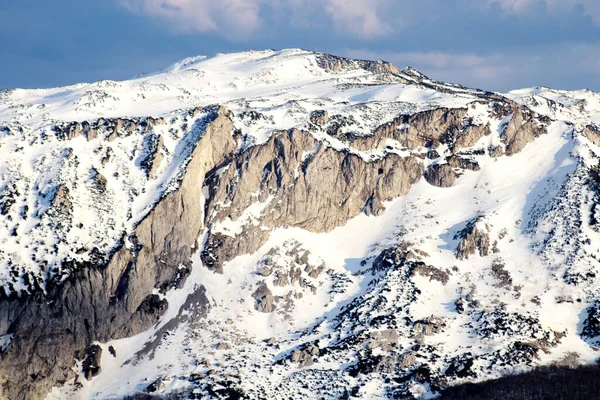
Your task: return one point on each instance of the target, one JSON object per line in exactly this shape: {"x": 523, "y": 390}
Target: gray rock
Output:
{"x": 8, "y": 197}
{"x": 305, "y": 356}
{"x": 62, "y": 200}
{"x": 385, "y": 340}
{"x": 429, "y": 326}
{"x": 89, "y": 132}
{"x": 496, "y": 151}
{"x": 427, "y": 129}
{"x": 523, "y": 128}
{"x": 473, "y": 238}
{"x": 107, "y": 156}
{"x": 223, "y": 346}
{"x": 319, "y": 118}
{"x": 265, "y": 302}
{"x": 441, "y": 175}
{"x": 154, "y": 148}
{"x": 156, "y": 386}
{"x": 459, "y": 304}
{"x": 338, "y": 64}
{"x": 91, "y": 363}
{"x": 502, "y": 275}
{"x": 330, "y": 188}
{"x": 462, "y": 163}
{"x": 98, "y": 180}
{"x": 592, "y": 133}
{"x": 434, "y": 274}
{"x": 68, "y": 132}
{"x": 105, "y": 301}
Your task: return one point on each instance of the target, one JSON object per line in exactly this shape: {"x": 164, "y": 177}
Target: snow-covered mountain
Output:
{"x": 288, "y": 224}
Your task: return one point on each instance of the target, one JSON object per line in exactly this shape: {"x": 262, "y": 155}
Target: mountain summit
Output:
{"x": 289, "y": 224}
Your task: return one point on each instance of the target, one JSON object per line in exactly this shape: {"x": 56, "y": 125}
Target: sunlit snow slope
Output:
{"x": 374, "y": 233}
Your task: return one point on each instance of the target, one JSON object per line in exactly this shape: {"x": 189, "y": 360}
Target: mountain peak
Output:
{"x": 186, "y": 62}
{"x": 293, "y": 224}
{"x": 415, "y": 73}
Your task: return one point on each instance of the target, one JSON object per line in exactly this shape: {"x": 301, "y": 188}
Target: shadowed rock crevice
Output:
{"x": 91, "y": 363}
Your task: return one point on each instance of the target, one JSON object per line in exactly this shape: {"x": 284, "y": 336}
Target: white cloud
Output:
{"x": 590, "y": 7}
{"x": 243, "y": 17}
{"x": 517, "y": 6}
{"x": 230, "y": 17}
{"x": 362, "y": 17}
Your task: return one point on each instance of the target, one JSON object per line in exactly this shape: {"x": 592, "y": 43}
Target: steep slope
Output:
{"x": 286, "y": 223}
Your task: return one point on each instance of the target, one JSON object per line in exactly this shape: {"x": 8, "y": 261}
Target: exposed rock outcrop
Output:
{"x": 501, "y": 274}
{"x": 453, "y": 127}
{"x": 305, "y": 356}
{"x": 265, "y": 302}
{"x": 385, "y": 340}
{"x": 441, "y": 175}
{"x": 317, "y": 193}
{"x": 98, "y": 180}
{"x": 337, "y": 64}
{"x": 523, "y": 128}
{"x": 8, "y": 197}
{"x": 103, "y": 302}
{"x": 153, "y": 149}
{"x": 91, "y": 363}
{"x": 463, "y": 163}
{"x": 592, "y": 133}
{"x": 429, "y": 326}
{"x": 109, "y": 128}
{"x": 496, "y": 151}
{"x": 319, "y": 117}
{"x": 434, "y": 274}
{"x": 474, "y": 238}
{"x": 430, "y": 128}
{"x": 157, "y": 385}
{"x": 61, "y": 200}
{"x": 69, "y": 131}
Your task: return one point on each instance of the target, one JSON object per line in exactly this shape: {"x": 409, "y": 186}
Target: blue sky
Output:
{"x": 490, "y": 44}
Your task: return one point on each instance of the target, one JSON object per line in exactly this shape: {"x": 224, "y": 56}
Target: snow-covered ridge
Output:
{"x": 285, "y": 75}
{"x": 130, "y": 138}
{"x": 478, "y": 221}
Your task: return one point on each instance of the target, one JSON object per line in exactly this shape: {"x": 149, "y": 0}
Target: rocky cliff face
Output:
{"x": 254, "y": 244}
{"x": 338, "y": 64}
{"x": 117, "y": 299}
{"x": 299, "y": 183}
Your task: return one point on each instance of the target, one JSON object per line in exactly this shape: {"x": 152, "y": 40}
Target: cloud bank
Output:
{"x": 368, "y": 19}
{"x": 228, "y": 17}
